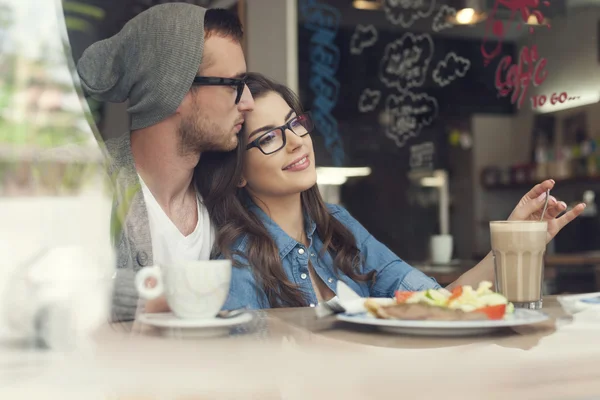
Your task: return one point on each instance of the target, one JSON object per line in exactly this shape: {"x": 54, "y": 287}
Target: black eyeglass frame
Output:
{"x": 288, "y": 125}
{"x": 238, "y": 83}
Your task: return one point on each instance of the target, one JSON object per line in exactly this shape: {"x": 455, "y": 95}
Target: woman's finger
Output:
{"x": 523, "y": 211}
{"x": 555, "y": 210}
{"x": 570, "y": 216}
{"x": 539, "y": 189}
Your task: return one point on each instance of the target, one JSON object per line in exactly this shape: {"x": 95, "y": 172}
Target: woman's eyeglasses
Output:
{"x": 275, "y": 139}
{"x": 239, "y": 84}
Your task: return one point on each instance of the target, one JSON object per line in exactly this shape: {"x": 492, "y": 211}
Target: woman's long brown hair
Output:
{"x": 217, "y": 177}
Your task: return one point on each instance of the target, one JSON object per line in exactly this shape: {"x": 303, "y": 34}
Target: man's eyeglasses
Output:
{"x": 275, "y": 139}
{"x": 239, "y": 84}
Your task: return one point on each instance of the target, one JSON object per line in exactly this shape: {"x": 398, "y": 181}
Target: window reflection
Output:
{"x": 46, "y": 143}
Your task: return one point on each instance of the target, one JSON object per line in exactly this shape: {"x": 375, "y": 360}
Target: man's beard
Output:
{"x": 197, "y": 135}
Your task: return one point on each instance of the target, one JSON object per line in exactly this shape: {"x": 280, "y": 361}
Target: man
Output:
{"x": 180, "y": 66}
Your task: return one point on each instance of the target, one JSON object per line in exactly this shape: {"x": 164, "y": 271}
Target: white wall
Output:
{"x": 492, "y": 145}
{"x": 271, "y": 39}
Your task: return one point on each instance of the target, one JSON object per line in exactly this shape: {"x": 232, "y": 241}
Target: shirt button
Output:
{"x": 300, "y": 251}
{"x": 303, "y": 276}
{"x": 312, "y": 254}
{"x": 330, "y": 280}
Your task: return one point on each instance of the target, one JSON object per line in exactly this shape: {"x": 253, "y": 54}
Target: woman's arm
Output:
{"x": 528, "y": 209}
{"x": 484, "y": 271}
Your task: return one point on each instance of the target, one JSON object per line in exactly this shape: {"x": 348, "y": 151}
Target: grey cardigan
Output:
{"x": 133, "y": 243}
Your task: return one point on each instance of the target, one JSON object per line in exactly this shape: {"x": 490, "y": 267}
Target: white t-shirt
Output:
{"x": 168, "y": 243}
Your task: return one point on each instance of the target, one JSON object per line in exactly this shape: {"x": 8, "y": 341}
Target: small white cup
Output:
{"x": 193, "y": 289}
{"x": 441, "y": 249}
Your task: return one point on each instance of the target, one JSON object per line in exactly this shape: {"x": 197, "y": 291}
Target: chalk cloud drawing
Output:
{"x": 440, "y": 21}
{"x": 405, "y": 12}
{"x": 407, "y": 114}
{"x": 406, "y": 60}
{"x": 368, "y": 100}
{"x": 364, "y": 36}
{"x": 450, "y": 68}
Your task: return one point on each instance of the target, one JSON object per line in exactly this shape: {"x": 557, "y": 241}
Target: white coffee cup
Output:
{"x": 441, "y": 249}
{"x": 193, "y": 289}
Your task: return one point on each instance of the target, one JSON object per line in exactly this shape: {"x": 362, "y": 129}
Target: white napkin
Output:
{"x": 348, "y": 301}
{"x": 575, "y": 303}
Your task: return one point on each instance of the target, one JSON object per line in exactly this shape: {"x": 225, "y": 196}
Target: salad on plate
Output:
{"x": 463, "y": 303}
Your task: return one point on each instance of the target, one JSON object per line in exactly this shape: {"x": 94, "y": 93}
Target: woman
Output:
{"x": 288, "y": 246}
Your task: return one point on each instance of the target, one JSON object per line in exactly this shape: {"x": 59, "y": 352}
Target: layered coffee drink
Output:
{"x": 518, "y": 248}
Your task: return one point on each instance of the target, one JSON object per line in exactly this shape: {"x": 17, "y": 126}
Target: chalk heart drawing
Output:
{"x": 450, "y": 68}
{"x": 364, "y": 36}
{"x": 440, "y": 21}
{"x": 408, "y": 113}
{"x": 405, "y": 61}
{"x": 405, "y": 12}
{"x": 368, "y": 100}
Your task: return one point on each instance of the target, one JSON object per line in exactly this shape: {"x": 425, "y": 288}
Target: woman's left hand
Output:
{"x": 532, "y": 204}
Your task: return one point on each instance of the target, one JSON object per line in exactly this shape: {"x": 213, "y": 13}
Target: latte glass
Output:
{"x": 518, "y": 248}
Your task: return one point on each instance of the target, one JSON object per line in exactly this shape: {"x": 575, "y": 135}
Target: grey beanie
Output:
{"x": 152, "y": 62}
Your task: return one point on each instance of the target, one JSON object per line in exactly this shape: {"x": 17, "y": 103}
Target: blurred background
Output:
{"x": 434, "y": 117}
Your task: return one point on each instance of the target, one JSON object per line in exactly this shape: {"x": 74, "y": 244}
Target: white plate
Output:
{"x": 171, "y": 325}
{"x": 446, "y": 328}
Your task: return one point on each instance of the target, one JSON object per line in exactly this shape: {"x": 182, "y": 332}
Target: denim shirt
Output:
{"x": 391, "y": 272}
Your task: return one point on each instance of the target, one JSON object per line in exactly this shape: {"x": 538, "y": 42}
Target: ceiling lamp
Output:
{"x": 532, "y": 20}
{"x": 470, "y": 12}
{"x": 339, "y": 175}
{"x": 367, "y": 4}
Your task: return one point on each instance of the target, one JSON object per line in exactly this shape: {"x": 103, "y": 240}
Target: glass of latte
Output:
{"x": 518, "y": 248}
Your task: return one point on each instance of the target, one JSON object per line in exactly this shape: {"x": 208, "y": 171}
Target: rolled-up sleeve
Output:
{"x": 391, "y": 272}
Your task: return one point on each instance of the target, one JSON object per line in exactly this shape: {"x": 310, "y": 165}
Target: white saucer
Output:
{"x": 171, "y": 325}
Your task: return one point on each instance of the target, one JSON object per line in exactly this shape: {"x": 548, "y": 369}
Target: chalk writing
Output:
{"x": 405, "y": 12}
{"x": 407, "y": 114}
{"x": 363, "y": 36}
{"x": 323, "y": 20}
{"x": 406, "y": 60}
{"x": 421, "y": 156}
{"x": 368, "y": 100}
{"x": 450, "y": 68}
{"x": 516, "y": 78}
{"x": 440, "y": 21}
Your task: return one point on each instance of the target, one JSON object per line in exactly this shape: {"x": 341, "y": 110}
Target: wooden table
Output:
{"x": 590, "y": 259}
{"x": 290, "y": 354}
{"x": 519, "y": 337}
{"x": 575, "y": 259}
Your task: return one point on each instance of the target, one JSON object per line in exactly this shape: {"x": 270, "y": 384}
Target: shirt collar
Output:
{"x": 284, "y": 242}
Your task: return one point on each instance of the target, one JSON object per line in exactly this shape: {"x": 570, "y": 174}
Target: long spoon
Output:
{"x": 545, "y": 204}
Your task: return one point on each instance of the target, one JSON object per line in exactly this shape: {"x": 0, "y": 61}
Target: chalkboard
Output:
{"x": 383, "y": 87}
{"x": 378, "y": 87}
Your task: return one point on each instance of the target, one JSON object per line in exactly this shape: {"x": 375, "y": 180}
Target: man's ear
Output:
{"x": 242, "y": 182}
